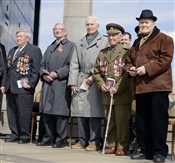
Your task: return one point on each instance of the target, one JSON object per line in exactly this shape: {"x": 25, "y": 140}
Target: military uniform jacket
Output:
{"x": 86, "y": 103}
{"x": 56, "y": 95}
{"x": 108, "y": 66}
{"x": 26, "y": 65}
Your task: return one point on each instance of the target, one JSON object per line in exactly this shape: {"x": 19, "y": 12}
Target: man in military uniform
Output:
{"x": 110, "y": 67}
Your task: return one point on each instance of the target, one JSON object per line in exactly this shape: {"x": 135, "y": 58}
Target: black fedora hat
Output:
{"x": 147, "y": 14}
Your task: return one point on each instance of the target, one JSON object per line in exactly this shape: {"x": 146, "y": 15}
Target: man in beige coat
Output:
{"x": 86, "y": 99}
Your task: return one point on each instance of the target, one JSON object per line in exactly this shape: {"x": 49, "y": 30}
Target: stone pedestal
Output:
{"x": 75, "y": 13}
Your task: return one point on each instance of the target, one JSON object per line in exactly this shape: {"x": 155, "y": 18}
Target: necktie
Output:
{"x": 16, "y": 53}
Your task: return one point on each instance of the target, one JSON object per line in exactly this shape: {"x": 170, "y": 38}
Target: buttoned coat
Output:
{"x": 56, "y": 95}
{"x": 155, "y": 55}
{"x": 86, "y": 103}
{"x": 30, "y": 56}
{"x": 108, "y": 67}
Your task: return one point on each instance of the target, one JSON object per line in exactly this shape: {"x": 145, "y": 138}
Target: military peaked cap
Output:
{"x": 114, "y": 28}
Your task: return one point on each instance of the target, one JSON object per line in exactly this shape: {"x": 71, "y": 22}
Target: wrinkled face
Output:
{"x": 59, "y": 31}
{"x": 21, "y": 39}
{"x": 125, "y": 40}
{"x": 146, "y": 26}
{"x": 91, "y": 26}
{"x": 114, "y": 38}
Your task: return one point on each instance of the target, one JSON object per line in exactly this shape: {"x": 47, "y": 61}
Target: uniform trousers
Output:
{"x": 118, "y": 131}
{"x": 56, "y": 127}
{"x": 19, "y": 113}
{"x": 152, "y": 122}
{"x": 89, "y": 130}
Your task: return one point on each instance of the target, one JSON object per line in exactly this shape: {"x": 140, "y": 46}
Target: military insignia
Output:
{"x": 103, "y": 66}
{"x": 60, "y": 48}
{"x": 23, "y": 64}
{"x": 118, "y": 67}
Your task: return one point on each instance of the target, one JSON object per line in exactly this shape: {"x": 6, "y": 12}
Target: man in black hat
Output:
{"x": 111, "y": 78}
{"x": 149, "y": 62}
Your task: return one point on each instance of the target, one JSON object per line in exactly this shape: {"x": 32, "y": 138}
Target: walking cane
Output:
{"x": 107, "y": 126}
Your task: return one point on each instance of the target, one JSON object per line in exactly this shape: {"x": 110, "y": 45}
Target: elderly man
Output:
{"x": 86, "y": 100}
{"x": 21, "y": 79}
{"x": 149, "y": 62}
{"x": 55, "y": 94}
{"x": 110, "y": 66}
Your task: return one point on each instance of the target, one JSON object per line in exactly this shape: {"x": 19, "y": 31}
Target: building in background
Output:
{"x": 15, "y": 14}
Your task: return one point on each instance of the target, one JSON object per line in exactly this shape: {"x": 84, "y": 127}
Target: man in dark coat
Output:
{"x": 149, "y": 62}
{"x": 55, "y": 94}
{"x": 21, "y": 79}
{"x": 3, "y": 62}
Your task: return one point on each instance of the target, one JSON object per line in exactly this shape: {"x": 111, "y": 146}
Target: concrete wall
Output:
{"x": 75, "y": 13}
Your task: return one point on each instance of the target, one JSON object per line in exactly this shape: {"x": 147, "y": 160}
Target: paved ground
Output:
{"x": 30, "y": 153}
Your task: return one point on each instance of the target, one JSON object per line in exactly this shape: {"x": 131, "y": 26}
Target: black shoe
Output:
{"x": 43, "y": 143}
{"x": 58, "y": 145}
{"x": 11, "y": 140}
{"x": 159, "y": 158}
{"x": 138, "y": 156}
{"x": 23, "y": 141}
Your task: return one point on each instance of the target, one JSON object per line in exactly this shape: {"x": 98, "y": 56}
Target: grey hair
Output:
{"x": 27, "y": 33}
{"x": 94, "y": 18}
{"x": 64, "y": 29}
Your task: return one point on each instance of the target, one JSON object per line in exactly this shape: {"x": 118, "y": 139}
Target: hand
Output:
{"x": 25, "y": 85}
{"x": 74, "y": 89}
{"x": 47, "y": 78}
{"x": 141, "y": 70}
{"x": 2, "y": 90}
{"x": 112, "y": 91}
{"x": 53, "y": 75}
{"x": 132, "y": 71}
{"x": 104, "y": 88}
{"x": 90, "y": 80}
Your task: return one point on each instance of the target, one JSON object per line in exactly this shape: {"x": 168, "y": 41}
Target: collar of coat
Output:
{"x": 83, "y": 41}
{"x": 62, "y": 41}
{"x": 153, "y": 35}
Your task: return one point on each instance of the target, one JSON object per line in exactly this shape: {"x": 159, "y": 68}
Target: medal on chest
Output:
{"x": 118, "y": 67}
{"x": 23, "y": 64}
{"x": 103, "y": 66}
{"x": 60, "y": 48}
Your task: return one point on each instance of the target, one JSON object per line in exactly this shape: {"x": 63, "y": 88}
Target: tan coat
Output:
{"x": 155, "y": 55}
{"x": 86, "y": 103}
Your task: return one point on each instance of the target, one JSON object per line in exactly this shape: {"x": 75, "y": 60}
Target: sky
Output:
{"x": 123, "y": 12}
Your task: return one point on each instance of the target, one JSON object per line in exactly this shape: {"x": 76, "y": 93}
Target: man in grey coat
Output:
{"x": 55, "y": 94}
{"x": 86, "y": 99}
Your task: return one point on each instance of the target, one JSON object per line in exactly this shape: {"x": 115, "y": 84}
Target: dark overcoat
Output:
{"x": 56, "y": 96}
{"x": 3, "y": 63}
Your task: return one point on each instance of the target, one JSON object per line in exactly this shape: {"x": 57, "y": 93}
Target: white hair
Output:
{"x": 27, "y": 33}
{"x": 93, "y": 18}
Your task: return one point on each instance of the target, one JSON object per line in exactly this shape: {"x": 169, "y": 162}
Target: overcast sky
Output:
{"x": 123, "y": 12}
